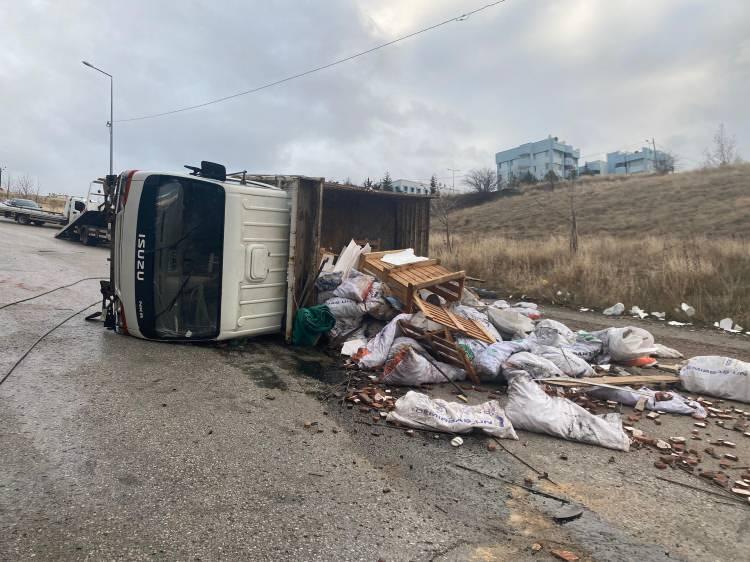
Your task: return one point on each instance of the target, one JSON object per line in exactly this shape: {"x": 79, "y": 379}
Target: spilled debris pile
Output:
{"x": 403, "y": 320}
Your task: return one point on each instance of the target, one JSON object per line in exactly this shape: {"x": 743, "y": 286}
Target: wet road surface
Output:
{"x": 116, "y": 448}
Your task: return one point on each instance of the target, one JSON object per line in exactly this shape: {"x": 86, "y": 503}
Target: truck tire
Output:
{"x": 38, "y": 223}
{"x": 23, "y": 219}
{"x": 87, "y": 238}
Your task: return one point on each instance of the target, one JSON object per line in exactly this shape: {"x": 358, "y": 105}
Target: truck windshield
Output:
{"x": 178, "y": 258}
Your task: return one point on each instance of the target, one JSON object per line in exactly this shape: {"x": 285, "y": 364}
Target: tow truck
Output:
{"x": 86, "y": 219}
{"x": 26, "y": 211}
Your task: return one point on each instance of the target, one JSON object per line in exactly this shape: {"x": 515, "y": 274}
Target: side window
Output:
{"x": 79, "y": 206}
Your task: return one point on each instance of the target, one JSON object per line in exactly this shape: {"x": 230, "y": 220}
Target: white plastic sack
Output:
{"x": 530, "y": 408}
{"x": 565, "y": 359}
{"x": 469, "y": 298}
{"x": 666, "y": 352}
{"x": 478, "y": 317}
{"x": 409, "y": 367}
{"x": 588, "y": 350}
{"x": 537, "y": 367}
{"x": 376, "y": 305}
{"x": 510, "y": 323}
{"x": 624, "y": 344}
{"x": 489, "y": 362}
{"x": 356, "y": 286}
{"x": 324, "y": 296}
{"x": 530, "y": 313}
{"x": 348, "y": 315}
{"x": 375, "y": 353}
{"x": 328, "y": 281}
{"x": 677, "y": 404}
{"x": 500, "y": 304}
{"x": 552, "y": 332}
{"x": 471, "y": 347}
{"x": 614, "y": 310}
{"x": 717, "y": 376}
{"x": 419, "y": 411}
{"x": 400, "y": 343}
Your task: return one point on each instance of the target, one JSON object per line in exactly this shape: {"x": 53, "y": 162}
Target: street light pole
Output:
{"x": 111, "y": 123}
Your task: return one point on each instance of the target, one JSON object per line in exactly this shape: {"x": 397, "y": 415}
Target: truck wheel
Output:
{"x": 23, "y": 219}
{"x": 86, "y": 238}
{"x": 38, "y": 223}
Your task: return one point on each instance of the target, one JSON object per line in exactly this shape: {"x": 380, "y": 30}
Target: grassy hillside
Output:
{"x": 711, "y": 203}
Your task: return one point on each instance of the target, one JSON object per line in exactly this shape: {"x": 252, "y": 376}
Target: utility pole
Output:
{"x": 1, "y": 177}
{"x": 453, "y": 189}
{"x": 653, "y": 143}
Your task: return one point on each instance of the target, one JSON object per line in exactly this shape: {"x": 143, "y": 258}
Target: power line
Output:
{"x": 40, "y": 338}
{"x": 460, "y": 18}
{"x": 50, "y": 291}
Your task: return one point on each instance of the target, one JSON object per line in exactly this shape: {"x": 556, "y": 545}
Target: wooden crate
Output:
{"x": 442, "y": 346}
{"x": 405, "y": 281}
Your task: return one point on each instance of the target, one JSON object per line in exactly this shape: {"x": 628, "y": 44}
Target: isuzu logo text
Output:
{"x": 140, "y": 258}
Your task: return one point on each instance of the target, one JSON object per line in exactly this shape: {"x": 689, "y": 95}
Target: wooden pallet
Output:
{"x": 442, "y": 346}
{"x": 453, "y": 322}
{"x": 405, "y": 281}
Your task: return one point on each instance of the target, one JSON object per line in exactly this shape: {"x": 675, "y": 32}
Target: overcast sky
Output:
{"x": 600, "y": 74}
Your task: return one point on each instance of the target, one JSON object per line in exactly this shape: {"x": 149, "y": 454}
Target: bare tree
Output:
{"x": 724, "y": 150}
{"x": 551, "y": 179}
{"x": 442, "y": 207}
{"x": 25, "y": 187}
{"x": 482, "y": 180}
{"x": 665, "y": 162}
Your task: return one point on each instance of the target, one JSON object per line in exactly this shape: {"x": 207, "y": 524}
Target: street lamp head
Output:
{"x": 87, "y": 64}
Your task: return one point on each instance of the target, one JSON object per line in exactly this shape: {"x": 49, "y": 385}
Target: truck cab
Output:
{"x": 199, "y": 258}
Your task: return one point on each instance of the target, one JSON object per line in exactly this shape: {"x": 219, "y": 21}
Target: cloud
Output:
{"x": 603, "y": 75}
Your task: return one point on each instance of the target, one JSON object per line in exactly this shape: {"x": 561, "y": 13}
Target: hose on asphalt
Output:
{"x": 51, "y": 291}
{"x": 48, "y": 332}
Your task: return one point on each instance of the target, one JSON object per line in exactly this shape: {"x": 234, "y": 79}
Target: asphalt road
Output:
{"x": 116, "y": 448}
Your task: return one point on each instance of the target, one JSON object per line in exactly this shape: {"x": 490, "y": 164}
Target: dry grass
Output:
{"x": 707, "y": 203}
{"x": 655, "y": 273}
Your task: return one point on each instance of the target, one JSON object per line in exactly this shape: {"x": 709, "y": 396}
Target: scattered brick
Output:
{"x": 565, "y": 555}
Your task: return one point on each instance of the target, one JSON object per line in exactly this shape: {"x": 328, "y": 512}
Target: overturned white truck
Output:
{"x": 211, "y": 256}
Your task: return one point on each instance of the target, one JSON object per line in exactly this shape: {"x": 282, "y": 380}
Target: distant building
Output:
{"x": 593, "y": 168}
{"x": 638, "y": 162}
{"x": 411, "y": 187}
{"x": 537, "y": 158}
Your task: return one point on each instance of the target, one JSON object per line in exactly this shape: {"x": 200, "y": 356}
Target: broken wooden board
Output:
{"x": 626, "y": 380}
{"x": 453, "y": 322}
